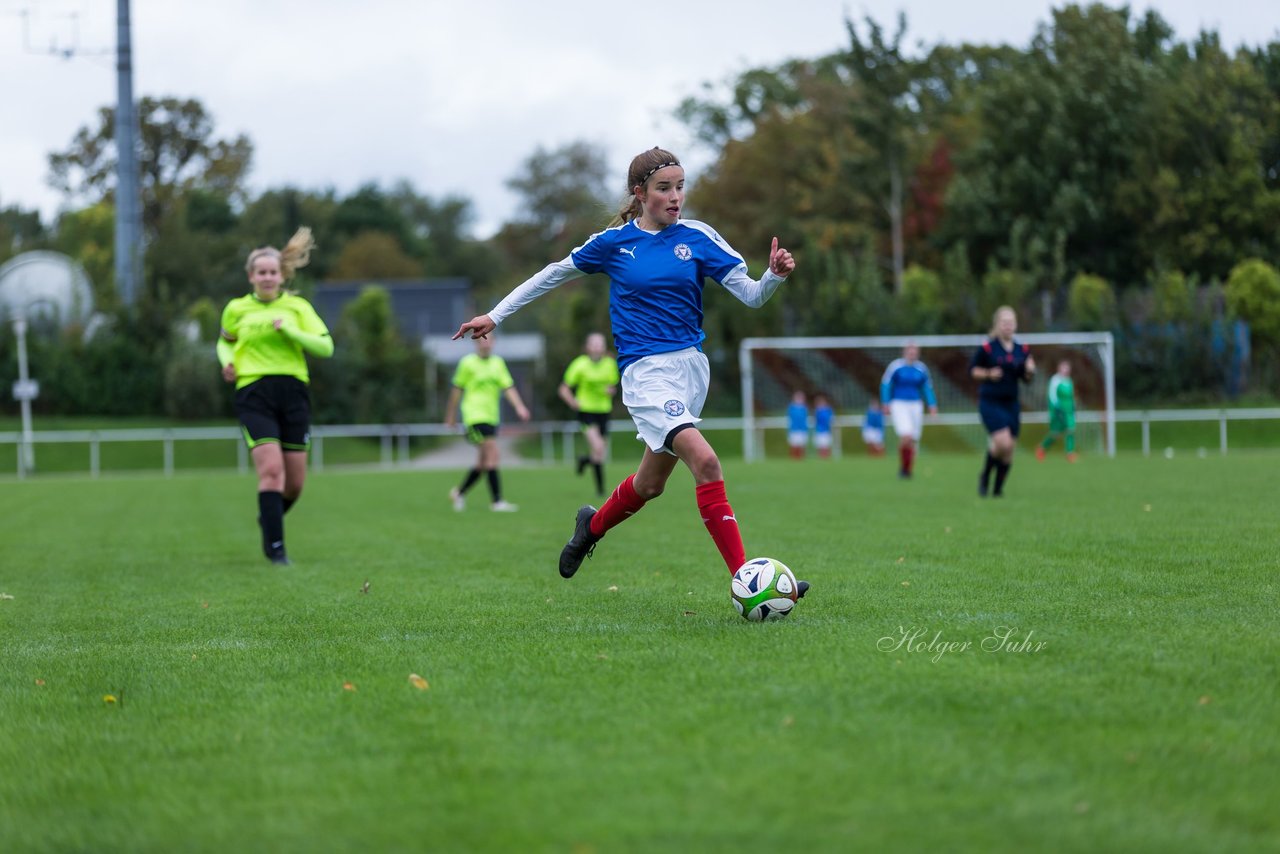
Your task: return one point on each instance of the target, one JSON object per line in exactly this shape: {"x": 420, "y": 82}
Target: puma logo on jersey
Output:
{"x": 728, "y": 519}
{"x": 631, "y": 251}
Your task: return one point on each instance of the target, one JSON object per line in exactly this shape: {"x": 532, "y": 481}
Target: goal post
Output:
{"x": 849, "y": 370}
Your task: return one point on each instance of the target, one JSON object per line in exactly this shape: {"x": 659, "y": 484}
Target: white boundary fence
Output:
{"x": 395, "y": 450}
{"x": 1104, "y": 341}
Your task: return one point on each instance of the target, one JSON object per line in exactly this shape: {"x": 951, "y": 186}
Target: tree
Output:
{"x": 20, "y": 231}
{"x": 374, "y": 255}
{"x": 178, "y": 152}
{"x": 1253, "y": 294}
{"x": 1092, "y": 302}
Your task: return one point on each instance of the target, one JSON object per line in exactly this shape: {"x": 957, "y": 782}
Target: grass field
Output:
{"x": 1132, "y": 706}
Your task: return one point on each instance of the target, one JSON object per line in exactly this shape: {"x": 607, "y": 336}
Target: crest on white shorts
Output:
{"x": 683, "y": 252}
{"x": 674, "y": 408}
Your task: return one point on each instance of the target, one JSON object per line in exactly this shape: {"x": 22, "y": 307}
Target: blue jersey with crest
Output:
{"x": 656, "y": 279}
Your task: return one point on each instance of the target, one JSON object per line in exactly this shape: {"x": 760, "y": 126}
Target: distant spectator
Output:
{"x": 823, "y": 423}
{"x": 798, "y": 426}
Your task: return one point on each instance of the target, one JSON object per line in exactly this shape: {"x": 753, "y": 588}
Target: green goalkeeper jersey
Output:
{"x": 591, "y": 380}
{"x": 260, "y": 350}
{"x": 1062, "y": 395}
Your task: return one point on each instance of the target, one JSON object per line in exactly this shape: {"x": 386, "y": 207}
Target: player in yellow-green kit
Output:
{"x": 479, "y": 383}
{"x": 590, "y": 382}
{"x": 264, "y": 336}
{"x": 1062, "y": 412}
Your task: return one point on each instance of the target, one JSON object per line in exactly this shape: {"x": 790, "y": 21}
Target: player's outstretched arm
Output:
{"x": 479, "y": 326}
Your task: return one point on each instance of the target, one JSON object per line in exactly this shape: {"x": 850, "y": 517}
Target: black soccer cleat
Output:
{"x": 982, "y": 487}
{"x": 581, "y": 544}
{"x": 802, "y": 587}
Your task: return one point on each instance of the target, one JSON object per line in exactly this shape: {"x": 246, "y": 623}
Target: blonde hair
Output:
{"x": 995, "y": 318}
{"x": 295, "y": 255}
{"x": 643, "y": 165}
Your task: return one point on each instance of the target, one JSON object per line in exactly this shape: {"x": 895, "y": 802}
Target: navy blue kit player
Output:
{"x": 657, "y": 264}
{"x": 999, "y": 363}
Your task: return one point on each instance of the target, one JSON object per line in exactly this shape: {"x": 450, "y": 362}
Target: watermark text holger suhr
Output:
{"x": 1001, "y": 639}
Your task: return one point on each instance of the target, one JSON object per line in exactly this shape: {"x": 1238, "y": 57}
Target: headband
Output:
{"x": 656, "y": 168}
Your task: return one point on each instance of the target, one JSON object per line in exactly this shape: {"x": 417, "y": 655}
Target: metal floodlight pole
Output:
{"x": 128, "y": 204}
{"x": 27, "y": 455}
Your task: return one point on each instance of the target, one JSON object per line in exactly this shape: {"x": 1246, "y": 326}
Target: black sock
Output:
{"x": 599, "y": 467}
{"x": 469, "y": 481}
{"x": 582, "y": 463}
{"x": 495, "y": 486}
{"x": 288, "y": 502}
{"x": 1002, "y": 471}
{"x": 986, "y": 470}
{"x": 271, "y": 517}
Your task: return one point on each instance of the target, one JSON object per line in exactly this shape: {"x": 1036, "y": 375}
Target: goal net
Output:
{"x": 849, "y": 372}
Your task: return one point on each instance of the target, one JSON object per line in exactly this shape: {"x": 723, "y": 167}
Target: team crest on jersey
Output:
{"x": 683, "y": 252}
{"x": 674, "y": 408}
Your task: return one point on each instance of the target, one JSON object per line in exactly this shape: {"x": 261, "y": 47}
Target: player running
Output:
{"x": 905, "y": 390}
{"x": 264, "y": 336}
{"x": 657, "y": 264}
{"x": 998, "y": 363}
{"x": 1062, "y": 412}
{"x": 480, "y": 379}
{"x": 590, "y": 382}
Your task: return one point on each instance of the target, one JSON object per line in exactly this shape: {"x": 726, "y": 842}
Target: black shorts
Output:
{"x": 999, "y": 414}
{"x": 275, "y": 409}
{"x": 477, "y": 433}
{"x": 599, "y": 419}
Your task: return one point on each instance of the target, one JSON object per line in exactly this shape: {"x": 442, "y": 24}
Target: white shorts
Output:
{"x": 908, "y": 417}
{"x": 665, "y": 391}
{"x": 822, "y": 441}
{"x": 797, "y": 438}
{"x": 873, "y": 435}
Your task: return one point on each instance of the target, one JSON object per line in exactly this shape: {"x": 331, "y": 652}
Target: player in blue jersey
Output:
{"x": 873, "y": 430}
{"x": 657, "y": 264}
{"x": 798, "y": 425}
{"x": 824, "y": 418}
{"x": 905, "y": 390}
{"x": 999, "y": 363}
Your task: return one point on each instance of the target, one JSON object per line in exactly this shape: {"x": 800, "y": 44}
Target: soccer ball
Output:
{"x": 764, "y": 589}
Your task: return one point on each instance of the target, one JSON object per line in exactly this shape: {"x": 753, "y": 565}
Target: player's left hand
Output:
{"x": 1030, "y": 367}
{"x": 780, "y": 260}
{"x": 479, "y": 326}
{"x": 523, "y": 414}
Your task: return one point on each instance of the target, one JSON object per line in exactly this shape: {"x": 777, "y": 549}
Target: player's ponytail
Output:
{"x": 297, "y": 252}
{"x": 643, "y": 166}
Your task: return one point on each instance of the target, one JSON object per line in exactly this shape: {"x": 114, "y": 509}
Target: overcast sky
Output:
{"x": 453, "y": 96}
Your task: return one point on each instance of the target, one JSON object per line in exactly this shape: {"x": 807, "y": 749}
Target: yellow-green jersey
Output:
{"x": 482, "y": 380}
{"x": 259, "y": 349}
{"x": 590, "y": 380}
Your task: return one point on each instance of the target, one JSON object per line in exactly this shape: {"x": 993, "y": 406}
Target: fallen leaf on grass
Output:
{"x": 613, "y": 588}
{"x": 348, "y": 686}
{"x": 902, "y": 559}
{"x": 365, "y": 587}
{"x": 108, "y": 699}
{"x": 906, "y": 584}
{"x": 5, "y": 596}
{"x": 789, "y": 720}
{"x": 40, "y": 682}
{"x": 1146, "y": 507}
{"x": 691, "y": 613}
{"x": 418, "y": 682}
{"x": 1206, "y": 700}
{"x": 204, "y": 604}
{"x": 601, "y": 657}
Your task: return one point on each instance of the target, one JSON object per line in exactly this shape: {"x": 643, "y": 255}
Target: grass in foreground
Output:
{"x": 631, "y": 709}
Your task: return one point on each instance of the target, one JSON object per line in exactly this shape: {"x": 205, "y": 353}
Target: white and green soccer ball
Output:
{"x": 764, "y": 589}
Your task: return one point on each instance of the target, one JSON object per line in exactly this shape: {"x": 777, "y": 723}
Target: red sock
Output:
{"x": 904, "y": 455}
{"x": 909, "y": 457}
{"x": 717, "y": 515}
{"x": 617, "y": 507}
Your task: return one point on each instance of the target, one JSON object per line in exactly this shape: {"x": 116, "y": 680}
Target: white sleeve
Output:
{"x": 747, "y": 289}
{"x": 551, "y": 276}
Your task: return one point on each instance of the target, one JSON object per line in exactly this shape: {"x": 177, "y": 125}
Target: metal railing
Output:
{"x": 395, "y": 450}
